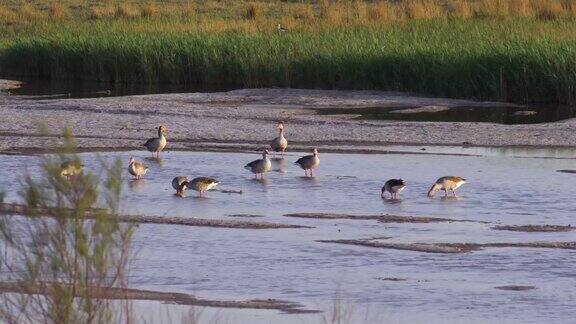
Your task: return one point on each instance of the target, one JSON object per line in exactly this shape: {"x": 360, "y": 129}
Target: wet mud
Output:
{"x": 16, "y": 209}
{"x": 451, "y": 247}
{"x": 167, "y": 297}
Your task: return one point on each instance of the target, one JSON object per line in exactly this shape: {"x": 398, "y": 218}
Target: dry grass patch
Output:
{"x": 58, "y": 11}
{"x": 493, "y": 8}
{"x": 418, "y": 9}
{"x": 548, "y": 9}
{"x": 127, "y": 11}
{"x": 382, "y": 11}
{"x": 460, "y": 9}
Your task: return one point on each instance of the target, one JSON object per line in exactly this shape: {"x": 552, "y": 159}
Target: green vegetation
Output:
{"x": 512, "y": 50}
{"x": 60, "y": 257}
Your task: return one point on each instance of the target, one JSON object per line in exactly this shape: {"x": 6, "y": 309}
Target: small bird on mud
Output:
{"x": 200, "y": 184}
{"x": 157, "y": 144}
{"x": 393, "y": 187}
{"x": 137, "y": 169}
{"x": 446, "y": 183}
{"x": 279, "y": 144}
{"x": 70, "y": 169}
{"x": 309, "y": 162}
{"x": 260, "y": 166}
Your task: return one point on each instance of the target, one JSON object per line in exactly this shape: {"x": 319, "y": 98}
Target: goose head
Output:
{"x": 315, "y": 152}
{"x": 132, "y": 160}
{"x": 264, "y": 153}
{"x": 280, "y": 125}
{"x": 161, "y": 130}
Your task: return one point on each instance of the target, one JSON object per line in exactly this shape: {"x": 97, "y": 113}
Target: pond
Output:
{"x": 503, "y": 188}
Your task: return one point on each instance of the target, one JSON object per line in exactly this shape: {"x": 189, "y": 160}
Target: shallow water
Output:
{"x": 290, "y": 264}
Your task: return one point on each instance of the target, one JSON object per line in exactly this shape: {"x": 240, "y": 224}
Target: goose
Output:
{"x": 70, "y": 169}
{"x": 157, "y": 144}
{"x": 260, "y": 166}
{"x": 446, "y": 183}
{"x": 279, "y": 144}
{"x": 309, "y": 162}
{"x": 393, "y": 187}
{"x": 179, "y": 183}
{"x": 202, "y": 184}
{"x": 281, "y": 29}
{"x": 137, "y": 169}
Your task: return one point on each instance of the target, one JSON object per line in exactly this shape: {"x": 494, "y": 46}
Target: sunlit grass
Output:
{"x": 514, "y": 50}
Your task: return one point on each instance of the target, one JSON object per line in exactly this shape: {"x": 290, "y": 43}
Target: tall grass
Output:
{"x": 519, "y": 60}
{"x": 514, "y": 50}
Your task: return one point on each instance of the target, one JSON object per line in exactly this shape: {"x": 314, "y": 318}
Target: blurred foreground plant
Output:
{"x": 58, "y": 260}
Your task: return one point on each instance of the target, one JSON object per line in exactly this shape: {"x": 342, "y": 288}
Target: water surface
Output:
{"x": 290, "y": 264}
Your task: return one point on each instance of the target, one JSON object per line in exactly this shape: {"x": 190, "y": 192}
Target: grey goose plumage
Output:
{"x": 393, "y": 187}
{"x": 157, "y": 144}
{"x": 260, "y": 166}
{"x": 309, "y": 162}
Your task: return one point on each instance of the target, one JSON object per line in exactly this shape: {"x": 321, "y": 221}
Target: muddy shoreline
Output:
{"x": 243, "y": 120}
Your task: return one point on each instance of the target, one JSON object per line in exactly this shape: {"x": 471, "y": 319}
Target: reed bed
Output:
{"x": 512, "y": 50}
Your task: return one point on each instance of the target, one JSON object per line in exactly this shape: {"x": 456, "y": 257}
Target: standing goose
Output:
{"x": 309, "y": 162}
{"x": 202, "y": 184}
{"x": 137, "y": 169}
{"x": 70, "y": 169}
{"x": 179, "y": 183}
{"x": 157, "y": 144}
{"x": 446, "y": 183}
{"x": 280, "y": 29}
{"x": 260, "y": 166}
{"x": 393, "y": 187}
{"x": 279, "y": 144}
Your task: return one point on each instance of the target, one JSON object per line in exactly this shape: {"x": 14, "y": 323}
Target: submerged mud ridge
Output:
{"x": 381, "y": 218}
{"x": 451, "y": 247}
{"x": 168, "y": 297}
{"x": 515, "y": 288}
{"x": 534, "y": 228}
{"x": 16, "y": 209}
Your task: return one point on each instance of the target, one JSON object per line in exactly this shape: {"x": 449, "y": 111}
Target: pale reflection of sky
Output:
{"x": 290, "y": 264}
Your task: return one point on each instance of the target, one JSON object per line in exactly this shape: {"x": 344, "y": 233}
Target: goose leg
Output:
{"x": 445, "y": 192}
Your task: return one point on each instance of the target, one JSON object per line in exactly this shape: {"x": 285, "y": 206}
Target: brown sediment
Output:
{"x": 167, "y": 297}
{"x": 566, "y": 171}
{"x": 535, "y": 228}
{"x": 381, "y": 218}
{"x": 245, "y": 215}
{"x": 515, "y": 288}
{"x": 17, "y": 209}
{"x": 451, "y": 247}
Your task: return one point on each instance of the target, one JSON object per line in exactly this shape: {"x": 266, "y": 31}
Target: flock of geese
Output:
{"x": 259, "y": 168}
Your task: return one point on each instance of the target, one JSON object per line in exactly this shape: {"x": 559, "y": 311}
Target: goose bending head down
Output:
{"x": 446, "y": 183}
{"x": 393, "y": 187}
{"x": 279, "y": 144}
{"x": 157, "y": 144}
{"x": 202, "y": 184}
{"x": 180, "y": 183}
{"x": 260, "y": 166}
{"x": 309, "y": 162}
{"x": 137, "y": 169}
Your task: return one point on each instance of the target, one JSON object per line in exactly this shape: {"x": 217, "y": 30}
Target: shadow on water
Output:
{"x": 501, "y": 114}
